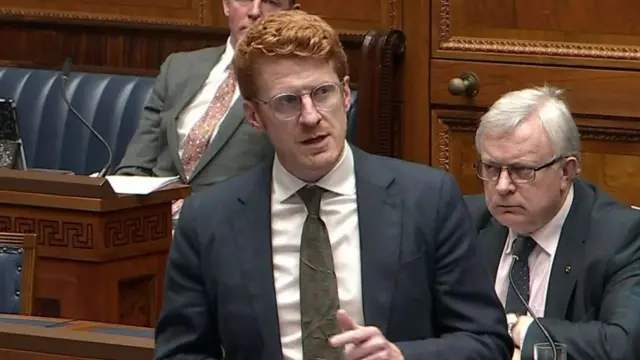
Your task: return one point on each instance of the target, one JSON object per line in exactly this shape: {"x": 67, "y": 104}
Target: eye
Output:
{"x": 489, "y": 167}
{"x": 285, "y": 100}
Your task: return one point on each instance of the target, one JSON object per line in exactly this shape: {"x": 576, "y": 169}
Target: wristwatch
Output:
{"x": 512, "y": 320}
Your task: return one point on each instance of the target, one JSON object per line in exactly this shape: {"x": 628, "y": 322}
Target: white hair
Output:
{"x": 551, "y": 109}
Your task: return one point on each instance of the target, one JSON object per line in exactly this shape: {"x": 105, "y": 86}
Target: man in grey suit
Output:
{"x": 186, "y": 108}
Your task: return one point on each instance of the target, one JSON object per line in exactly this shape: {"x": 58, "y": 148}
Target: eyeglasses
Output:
{"x": 265, "y": 4}
{"x": 287, "y": 106}
{"x": 519, "y": 174}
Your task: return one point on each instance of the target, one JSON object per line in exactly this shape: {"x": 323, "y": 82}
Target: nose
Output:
{"x": 255, "y": 11}
{"x": 505, "y": 185}
{"x": 309, "y": 115}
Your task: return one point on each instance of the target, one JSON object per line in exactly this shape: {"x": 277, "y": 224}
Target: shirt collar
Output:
{"x": 227, "y": 55}
{"x": 547, "y": 237}
{"x": 340, "y": 180}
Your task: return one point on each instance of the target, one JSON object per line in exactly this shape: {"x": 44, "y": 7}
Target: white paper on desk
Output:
{"x": 139, "y": 185}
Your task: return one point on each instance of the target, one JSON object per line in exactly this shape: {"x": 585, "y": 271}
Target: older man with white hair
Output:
{"x": 572, "y": 251}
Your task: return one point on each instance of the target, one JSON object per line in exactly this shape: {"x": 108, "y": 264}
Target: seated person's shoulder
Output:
{"x": 609, "y": 213}
{"x": 192, "y": 54}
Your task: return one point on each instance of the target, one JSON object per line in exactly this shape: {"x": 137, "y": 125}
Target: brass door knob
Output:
{"x": 467, "y": 84}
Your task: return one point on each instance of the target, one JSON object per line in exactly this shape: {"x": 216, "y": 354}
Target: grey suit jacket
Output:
{"x": 153, "y": 150}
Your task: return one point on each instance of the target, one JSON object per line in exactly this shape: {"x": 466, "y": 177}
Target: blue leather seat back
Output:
{"x": 54, "y": 138}
{"x": 10, "y": 278}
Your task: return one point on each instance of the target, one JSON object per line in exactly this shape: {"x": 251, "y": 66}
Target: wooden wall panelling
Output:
{"x": 588, "y": 91}
{"x": 177, "y": 12}
{"x": 513, "y": 44}
{"x": 453, "y": 146}
{"x": 353, "y": 16}
{"x": 117, "y": 47}
{"x": 357, "y": 16}
{"x": 415, "y": 126}
{"x": 139, "y": 49}
{"x": 610, "y": 151}
{"x": 597, "y": 33}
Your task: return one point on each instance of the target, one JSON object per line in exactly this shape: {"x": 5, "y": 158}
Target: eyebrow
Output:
{"x": 304, "y": 88}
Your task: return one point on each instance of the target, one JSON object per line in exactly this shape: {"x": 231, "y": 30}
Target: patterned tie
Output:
{"x": 319, "y": 300}
{"x": 198, "y": 138}
{"x": 520, "y": 275}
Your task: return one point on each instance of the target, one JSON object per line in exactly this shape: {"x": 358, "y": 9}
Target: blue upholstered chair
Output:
{"x": 55, "y": 139}
{"x": 17, "y": 270}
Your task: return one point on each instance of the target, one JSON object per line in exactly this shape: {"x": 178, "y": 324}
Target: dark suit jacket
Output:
{"x": 423, "y": 283}
{"x": 593, "y": 300}
{"x": 153, "y": 150}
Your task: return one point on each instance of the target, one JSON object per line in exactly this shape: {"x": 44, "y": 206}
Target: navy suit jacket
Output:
{"x": 423, "y": 283}
{"x": 593, "y": 299}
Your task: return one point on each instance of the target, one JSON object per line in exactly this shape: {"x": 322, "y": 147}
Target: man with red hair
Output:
{"x": 324, "y": 251}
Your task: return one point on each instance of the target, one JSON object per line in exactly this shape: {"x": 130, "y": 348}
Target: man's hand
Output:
{"x": 520, "y": 330}
{"x": 363, "y": 342}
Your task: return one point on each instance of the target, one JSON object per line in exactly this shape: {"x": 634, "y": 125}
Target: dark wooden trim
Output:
{"x": 139, "y": 49}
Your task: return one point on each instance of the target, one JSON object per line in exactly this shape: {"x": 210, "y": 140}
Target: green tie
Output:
{"x": 319, "y": 300}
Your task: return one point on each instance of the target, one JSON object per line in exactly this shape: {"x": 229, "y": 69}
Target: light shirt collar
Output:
{"x": 340, "y": 180}
{"x": 227, "y": 55}
{"x": 547, "y": 237}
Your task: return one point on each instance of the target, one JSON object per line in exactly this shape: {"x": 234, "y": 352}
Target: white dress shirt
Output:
{"x": 339, "y": 211}
{"x": 540, "y": 261}
{"x": 194, "y": 111}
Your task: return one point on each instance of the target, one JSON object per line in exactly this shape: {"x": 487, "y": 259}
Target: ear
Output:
{"x": 571, "y": 169}
{"x": 251, "y": 113}
{"x": 225, "y": 7}
{"x": 347, "y": 92}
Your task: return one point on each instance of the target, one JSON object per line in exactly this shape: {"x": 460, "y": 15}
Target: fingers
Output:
{"x": 375, "y": 347}
{"x": 360, "y": 342}
{"x": 345, "y": 321}
{"x": 354, "y": 337}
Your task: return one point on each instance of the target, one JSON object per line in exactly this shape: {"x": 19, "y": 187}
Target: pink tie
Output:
{"x": 197, "y": 141}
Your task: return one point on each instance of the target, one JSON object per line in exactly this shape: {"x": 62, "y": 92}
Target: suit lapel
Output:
{"x": 253, "y": 229}
{"x": 567, "y": 262}
{"x": 228, "y": 126}
{"x": 380, "y": 224}
{"x": 199, "y": 70}
{"x": 492, "y": 239}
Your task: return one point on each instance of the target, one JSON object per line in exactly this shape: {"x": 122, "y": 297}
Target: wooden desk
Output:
{"x": 38, "y": 338}
{"x": 101, "y": 256}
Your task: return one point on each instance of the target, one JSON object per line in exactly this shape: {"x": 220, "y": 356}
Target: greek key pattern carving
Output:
{"x": 528, "y": 47}
{"x": 5, "y": 224}
{"x": 137, "y": 230}
{"x": 52, "y": 233}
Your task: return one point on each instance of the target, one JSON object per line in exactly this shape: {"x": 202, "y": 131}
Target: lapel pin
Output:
{"x": 567, "y": 269}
